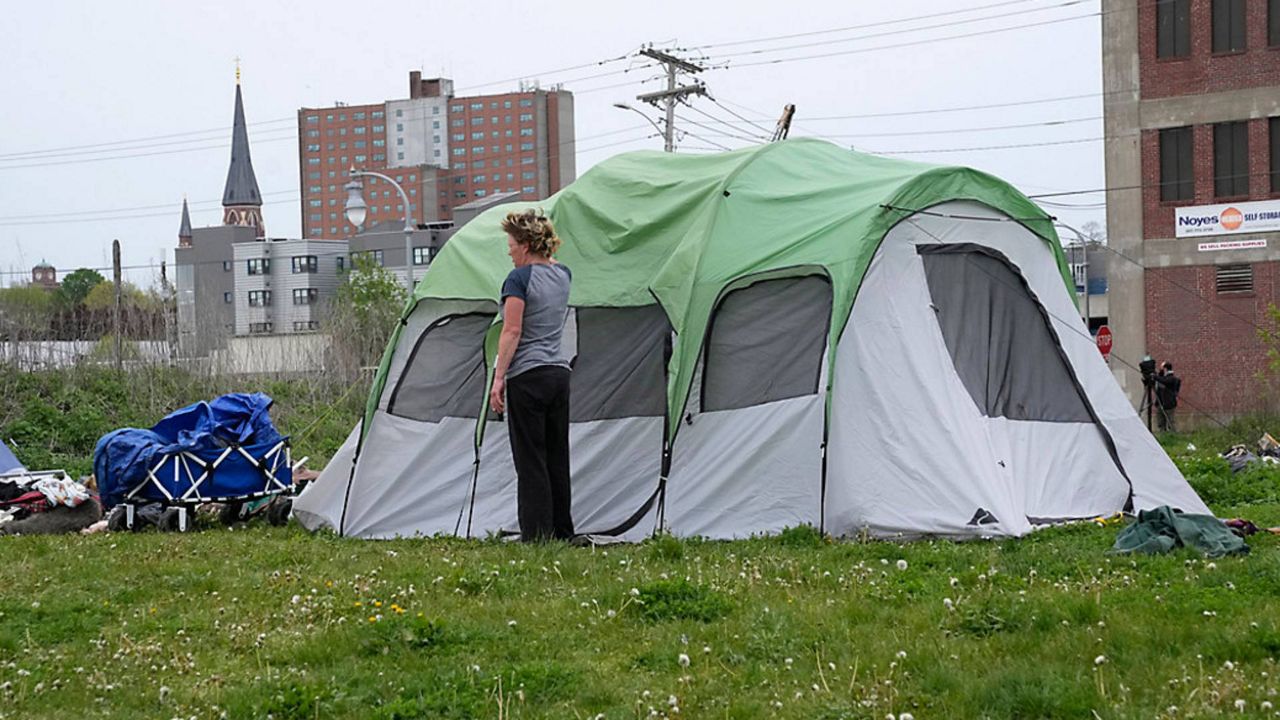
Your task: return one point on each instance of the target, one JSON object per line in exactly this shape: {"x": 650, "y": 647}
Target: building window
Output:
{"x": 526, "y": 117}
{"x": 1234, "y": 279}
{"x": 1273, "y": 23}
{"x": 528, "y": 175}
{"x": 226, "y": 266}
{"x": 381, "y": 157}
{"x": 1275, "y": 154}
{"x": 379, "y": 128}
{"x": 313, "y": 133}
{"x": 456, "y": 108}
{"x": 360, "y": 144}
{"x": 305, "y": 264}
{"x": 1228, "y": 26}
{"x": 421, "y": 255}
{"x": 481, "y": 192}
{"x": 1231, "y": 159}
{"x": 226, "y": 297}
{"x": 1173, "y": 28}
{"x": 458, "y": 137}
{"x": 477, "y": 150}
{"x": 306, "y": 296}
{"x": 477, "y": 136}
{"x": 260, "y": 328}
{"x": 400, "y": 141}
{"x": 526, "y": 102}
{"x": 313, "y": 161}
{"x": 528, "y": 189}
{"x": 479, "y": 179}
{"x": 399, "y": 113}
{"x": 360, "y": 159}
{"x": 526, "y": 161}
{"x": 477, "y": 106}
{"x": 259, "y": 266}
{"x": 313, "y": 119}
{"x": 259, "y": 298}
{"x": 526, "y": 146}
{"x": 1177, "y": 177}
{"x": 379, "y": 143}
{"x": 477, "y": 120}
{"x": 304, "y": 325}
{"x": 357, "y": 116}
{"x": 399, "y": 156}
{"x": 378, "y": 115}
{"x": 313, "y": 175}
{"x": 457, "y": 122}
{"x": 342, "y": 263}
{"x": 526, "y": 132}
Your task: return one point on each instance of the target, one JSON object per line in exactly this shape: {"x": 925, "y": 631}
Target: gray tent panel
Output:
{"x": 766, "y": 343}
{"x": 620, "y": 370}
{"x": 445, "y": 373}
{"x": 999, "y": 336}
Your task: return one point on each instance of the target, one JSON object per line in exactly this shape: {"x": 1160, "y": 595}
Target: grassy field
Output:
{"x": 260, "y": 622}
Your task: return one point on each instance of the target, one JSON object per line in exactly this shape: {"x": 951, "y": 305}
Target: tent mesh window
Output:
{"x": 766, "y": 343}
{"x": 1234, "y": 279}
{"x": 999, "y": 336}
{"x": 444, "y": 376}
{"x": 620, "y": 370}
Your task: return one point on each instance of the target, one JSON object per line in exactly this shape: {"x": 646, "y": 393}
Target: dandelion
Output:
{"x": 1266, "y": 706}
{"x": 611, "y": 614}
{"x": 1100, "y": 660}
{"x": 164, "y": 693}
{"x": 683, "y": 659}
{"x": 1228, "y": 665}
{"x": 788, "y": 662}
{"x": 1240, "y": 705}
{"x": 295, "y": 599}
{"x": 902, "y": 564}
{"x": 511, "y": 623}
{"x": 906, "y": 716}
{"x": 635, "y": 592}
{"x": 955, "y": 582}
{"x": 672, "y": 701}
{"x": 706, "y": 649}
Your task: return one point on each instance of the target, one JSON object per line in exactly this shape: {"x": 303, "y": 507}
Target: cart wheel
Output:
{"x": 230, "y": 513}
{"x": 278, "y": 510}
{"x": 168, "y": 520}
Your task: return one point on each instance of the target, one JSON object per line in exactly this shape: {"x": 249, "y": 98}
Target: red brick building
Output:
{"x": 445, "y": 151}
{"x": 1192, "y": 105}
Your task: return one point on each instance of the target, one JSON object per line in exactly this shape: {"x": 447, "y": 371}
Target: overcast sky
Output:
{"x": 83, "y": 78}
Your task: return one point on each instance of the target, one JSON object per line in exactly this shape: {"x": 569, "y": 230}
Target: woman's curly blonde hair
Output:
{"x": 533, "y": 230}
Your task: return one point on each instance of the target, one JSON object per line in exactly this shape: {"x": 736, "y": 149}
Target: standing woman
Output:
{"x": 535, "y": 375}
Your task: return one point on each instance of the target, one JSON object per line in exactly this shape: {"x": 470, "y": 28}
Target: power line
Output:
{"x": 569, "y": 68}
{"x": 913, "y": 43}
{"x": 705, "y": 140}
{"x": 730, "y": 110}
{"x": 988, "y": 128}
{"x": 858, "y": 27}
{"x": 1014, "y": 146}
{"x": 914, "y": 29}
{"x": 220, "y": 146}
{"x": 226, "y": 129}
{"x": 700, "y": 111}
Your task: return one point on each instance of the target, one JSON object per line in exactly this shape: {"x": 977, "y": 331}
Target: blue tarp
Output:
{"x": 204, "y": 429}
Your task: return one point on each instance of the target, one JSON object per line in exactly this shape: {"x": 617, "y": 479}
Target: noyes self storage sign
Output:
{"x": 1231, "y": 219}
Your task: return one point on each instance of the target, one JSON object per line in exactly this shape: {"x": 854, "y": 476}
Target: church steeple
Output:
{"x": 241, "y": 200}
{"x": 184, "y": 230}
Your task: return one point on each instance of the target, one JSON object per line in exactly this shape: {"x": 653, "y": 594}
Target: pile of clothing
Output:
{"x": 1241, "y": 457}
{"x": 43, "y": 503}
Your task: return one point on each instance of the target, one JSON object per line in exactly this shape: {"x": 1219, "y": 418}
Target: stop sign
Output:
{"x": 1104, "y": 342}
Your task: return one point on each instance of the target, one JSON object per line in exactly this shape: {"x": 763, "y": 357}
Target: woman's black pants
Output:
{"x": 538, "y": 423}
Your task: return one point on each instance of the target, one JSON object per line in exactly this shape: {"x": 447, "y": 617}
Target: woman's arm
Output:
{"x": 512, "y": 324}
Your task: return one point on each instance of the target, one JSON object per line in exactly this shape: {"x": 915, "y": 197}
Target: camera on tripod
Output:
{"x": 1148, "y": 369}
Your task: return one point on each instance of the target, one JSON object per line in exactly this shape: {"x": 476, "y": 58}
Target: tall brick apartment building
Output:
{"x": 445, "y": 151}
{"x": 1192, "y": 106}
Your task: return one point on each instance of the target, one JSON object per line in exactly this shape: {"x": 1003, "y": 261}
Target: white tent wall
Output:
{"x": 1156, "y": 480}
{"x": 911, "y": 452}
{"x": 747, "y": 471}
{"x": 320, "y": 506}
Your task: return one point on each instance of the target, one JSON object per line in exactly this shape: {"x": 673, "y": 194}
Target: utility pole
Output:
{"x": 673, "y": 93}
{"x": 115, "y": 311}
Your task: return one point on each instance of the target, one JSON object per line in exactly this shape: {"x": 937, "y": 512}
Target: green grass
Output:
{"x": 264, "y": 622}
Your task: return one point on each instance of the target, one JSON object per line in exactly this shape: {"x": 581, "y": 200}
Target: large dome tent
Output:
{"x": 779, "y": 335}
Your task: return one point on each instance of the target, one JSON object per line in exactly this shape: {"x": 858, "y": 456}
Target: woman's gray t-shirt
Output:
{"x": 545, "y": 291}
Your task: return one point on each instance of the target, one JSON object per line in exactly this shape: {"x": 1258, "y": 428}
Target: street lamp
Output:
{"x": 357, "y": 211}
{"x": 1083, "y": 244}
{"x": 656, "y": 126}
